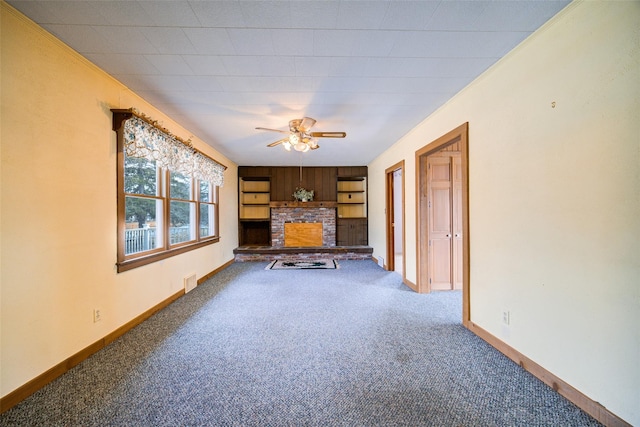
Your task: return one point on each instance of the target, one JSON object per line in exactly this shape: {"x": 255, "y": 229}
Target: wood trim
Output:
{"x": 18, "y": 395}
{"x": 120, "y": 198}
{"x": 216, "y": 271}
{"x": 388, "y": 200}
{"x": 591, "y": 407}
{"x": 140, "y": 261}
{"x": 21, "y": 393}
{"x": 389, "y": 196}
{"x": 407, "y": 282}
{"x": 466, "y": 245}
{"x": 410, "y": 284}
{"x": 460, "y": 137}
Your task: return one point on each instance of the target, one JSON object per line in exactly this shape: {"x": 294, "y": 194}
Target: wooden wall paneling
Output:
{"x": 289, "y": 184}
{"x": 318, "y": 187}
{"x": 274, "y": 184}
{"x": 308, "y": 180}
{"x": 344, "y": 171}
{"x": 360, "y": 171}
{"x": 285, "y": 179}
{"x": 262, "y": 171}
{"x": 329, "y": 178}
{"x": 277, "y": 184}
{"x": 254, "y": 171}
{"x": 281, "y": 174}
{"x": 352, "y": 171}
{"x": 292, "y": 180}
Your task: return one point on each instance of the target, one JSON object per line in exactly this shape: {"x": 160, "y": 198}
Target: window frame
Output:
{"x": 166, "y": 250}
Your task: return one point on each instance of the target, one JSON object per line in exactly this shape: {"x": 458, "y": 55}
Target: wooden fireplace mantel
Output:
{"x": 293, "y": 204}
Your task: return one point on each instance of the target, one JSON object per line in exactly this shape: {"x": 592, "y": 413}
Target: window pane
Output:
{"x": 140, "y": 176}
{"x": 205, "y": 191}
{"x": 182, "y": 222}
{"x": 140, "y": 228}
{"x": 180, "y": 186}
{"x": 206, "y": 221}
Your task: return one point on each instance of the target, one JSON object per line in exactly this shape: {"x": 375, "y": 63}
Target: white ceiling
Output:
{"x": 373, "y": 69}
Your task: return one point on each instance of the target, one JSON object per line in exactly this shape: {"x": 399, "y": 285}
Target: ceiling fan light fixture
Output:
{"x": 301, "y": 146}
{"x": 306, "y": 123}
{"x": 300, "y": 137}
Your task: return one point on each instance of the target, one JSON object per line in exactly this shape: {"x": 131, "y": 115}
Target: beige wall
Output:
{"x": 554, "y": 198}
{"x": 58, "y": 217}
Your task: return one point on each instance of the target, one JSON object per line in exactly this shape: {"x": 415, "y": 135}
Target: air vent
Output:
{"x": 190, "y": 282}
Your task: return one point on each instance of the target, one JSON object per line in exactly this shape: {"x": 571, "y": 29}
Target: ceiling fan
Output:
{"x": 300, "y": 137}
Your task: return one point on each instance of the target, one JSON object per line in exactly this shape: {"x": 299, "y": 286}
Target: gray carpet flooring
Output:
{"x": 347, "y": 347}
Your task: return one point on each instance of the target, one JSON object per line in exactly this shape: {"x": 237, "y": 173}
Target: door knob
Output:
{"x": 458, "y": 234}
{"x": 448, "y": 235}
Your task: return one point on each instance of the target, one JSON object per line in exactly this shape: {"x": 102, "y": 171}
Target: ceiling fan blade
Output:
{"x": 328, "y": 134}
{"x": 273, "y": 144}
{"x": 306, "y": 124}
{"x": 274, "y": 130}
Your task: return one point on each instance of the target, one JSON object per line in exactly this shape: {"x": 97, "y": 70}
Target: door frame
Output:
{"x": 458, "y": 135}
{"x": 390, "y": 218}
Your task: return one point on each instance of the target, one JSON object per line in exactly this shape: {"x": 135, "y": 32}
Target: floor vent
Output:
{"x": 190, "y": 282}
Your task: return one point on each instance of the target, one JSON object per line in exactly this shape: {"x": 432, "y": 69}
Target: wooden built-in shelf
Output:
{"x": 352, "y": 197}
{"x": 254, "y": 211}
{"x": 341, "y": 188}
{"x": 254, "y": 199}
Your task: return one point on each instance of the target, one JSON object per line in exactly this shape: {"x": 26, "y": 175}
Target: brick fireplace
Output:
{"x": 323, "y": 213}
{"x": 297, "y": 212}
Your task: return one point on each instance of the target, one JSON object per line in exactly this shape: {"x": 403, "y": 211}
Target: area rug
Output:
{"x": 328, "y": 264}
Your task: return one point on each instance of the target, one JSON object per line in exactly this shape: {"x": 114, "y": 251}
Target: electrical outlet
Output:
{"x": 97, "y": 315}
{"x": 506, "y": 317}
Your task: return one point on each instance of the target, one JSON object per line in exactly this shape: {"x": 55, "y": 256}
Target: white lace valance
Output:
{"x": 143, "y": 140}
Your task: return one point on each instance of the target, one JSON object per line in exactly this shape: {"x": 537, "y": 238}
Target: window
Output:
{"x": 164, "y": 209}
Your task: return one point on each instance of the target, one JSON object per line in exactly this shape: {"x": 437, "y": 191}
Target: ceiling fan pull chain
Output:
{"x": 300, "y": 167}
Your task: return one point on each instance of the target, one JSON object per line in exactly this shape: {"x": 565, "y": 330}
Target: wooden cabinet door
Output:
{"x": 360, "y": 231}
{"x": 342, "y": 232}
{"x": 351, "y": 232}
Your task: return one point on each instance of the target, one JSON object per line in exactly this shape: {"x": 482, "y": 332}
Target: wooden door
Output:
{"x": 395, "y": 219}
{"x": 445, "y": 221}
